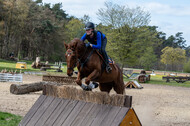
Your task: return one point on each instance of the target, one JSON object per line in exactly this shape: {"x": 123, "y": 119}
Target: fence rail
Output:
{"x": 7, "y": 77}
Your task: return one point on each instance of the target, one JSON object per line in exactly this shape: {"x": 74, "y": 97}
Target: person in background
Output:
{"x": 11, "y": 55}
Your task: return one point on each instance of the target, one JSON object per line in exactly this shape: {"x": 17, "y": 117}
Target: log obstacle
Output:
{"x": 69, "y": 106}
{"x": 38, "y": 86}
{"x": 28, "y": 88}
{"x": 60, "y": 79}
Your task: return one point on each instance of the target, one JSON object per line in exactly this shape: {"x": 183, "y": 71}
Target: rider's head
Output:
{"x": 89, "y": 27}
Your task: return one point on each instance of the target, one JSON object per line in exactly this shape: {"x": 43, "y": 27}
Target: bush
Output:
{"x": 186, "y": 67}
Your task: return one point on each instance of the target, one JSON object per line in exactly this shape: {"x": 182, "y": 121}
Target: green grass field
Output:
{"x": 10, "y": 66}
{"x": 7, "y": 119}
{"x": 157, "y": 79}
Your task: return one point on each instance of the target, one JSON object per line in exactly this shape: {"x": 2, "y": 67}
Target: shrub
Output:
{"x": 186, "y": 67}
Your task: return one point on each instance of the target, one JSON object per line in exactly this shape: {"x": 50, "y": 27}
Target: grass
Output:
{"x": 7, "y": 119}
{"x": 157, "y": 79}
{"x": 10, "y": 65}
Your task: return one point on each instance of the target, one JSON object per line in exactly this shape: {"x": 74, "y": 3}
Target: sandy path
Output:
{"x": 18, "y": 104}
{"x": 155, "y": 105}
{"x": 160, "y": 105}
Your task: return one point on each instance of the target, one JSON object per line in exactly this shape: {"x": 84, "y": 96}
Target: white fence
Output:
{"x": 7, "y": 77}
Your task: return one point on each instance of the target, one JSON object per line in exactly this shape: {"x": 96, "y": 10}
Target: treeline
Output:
{"x": 30, "y": 29}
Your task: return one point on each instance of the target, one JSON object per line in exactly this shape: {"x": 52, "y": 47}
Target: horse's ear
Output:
{"x": 66, "y": 46}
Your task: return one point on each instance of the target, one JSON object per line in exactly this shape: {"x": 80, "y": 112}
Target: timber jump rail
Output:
{"x": 69, "y": 106}
{"x": 60, "y": 79}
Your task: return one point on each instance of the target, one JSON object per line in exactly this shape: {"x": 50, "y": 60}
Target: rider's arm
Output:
{"x": 83, "y": 37}
{"x": 99, "y": 41}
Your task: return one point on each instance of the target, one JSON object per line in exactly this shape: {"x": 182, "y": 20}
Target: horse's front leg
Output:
{"x": 91, "y": 77}
{"x": 79, "y": 79}
{"x": 79, "y": 82}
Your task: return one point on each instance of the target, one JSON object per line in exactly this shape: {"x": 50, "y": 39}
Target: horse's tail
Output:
{"x": 120, "y": 78}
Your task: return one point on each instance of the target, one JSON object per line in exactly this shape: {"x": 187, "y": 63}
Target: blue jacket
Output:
{"x": 96, "y": 41}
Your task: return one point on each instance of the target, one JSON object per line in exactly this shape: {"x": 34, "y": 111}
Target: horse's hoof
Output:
{"x": 95, "y": 84}
{"x": 87, "y": 89}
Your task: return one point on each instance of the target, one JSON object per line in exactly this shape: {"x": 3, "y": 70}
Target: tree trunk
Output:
{"x": 26, "y": 88}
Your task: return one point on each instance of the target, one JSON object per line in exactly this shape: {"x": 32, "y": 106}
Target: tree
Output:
{"x": 8, "y": 12}
{"x": 1, "y": 9}
{"x": 148, "y": 58}
{"x": 85, "y": 19}
{"x": 187, "y": 49}
{"x": 2, "y": 33}
{"x": 31, "y": 29}
{"x": 75, "y": 29}
{"x": 173, "y": 56}
{"x": 186, "y": 67}
{"x": 176, "y": 41}
{"x": 119, "y": 16}
{"x": 179, "y": 40}
{"x": 59, "y": 13}
{"x": 125, "y": 24}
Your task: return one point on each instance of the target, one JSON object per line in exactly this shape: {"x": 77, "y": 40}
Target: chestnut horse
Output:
{"x": 89, "y": 65}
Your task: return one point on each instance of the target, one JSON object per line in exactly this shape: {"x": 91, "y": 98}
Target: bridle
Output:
{"x": 70, "y": 52}
{"x": 79, "y": 60}
{"x": 86, "y": 60}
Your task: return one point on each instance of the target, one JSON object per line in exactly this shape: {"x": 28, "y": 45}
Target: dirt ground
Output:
{"x": 155, "y": 105}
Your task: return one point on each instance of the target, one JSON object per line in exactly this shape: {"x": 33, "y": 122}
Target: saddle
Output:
{"x": 111, "y": 61}
{"x": 103, "y": 66}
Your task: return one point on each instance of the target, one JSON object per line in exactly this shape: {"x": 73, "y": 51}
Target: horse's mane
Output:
{"x": 80, "y": 48}
{"x": 75, "y": 40}
{"x": 78, "y": 44}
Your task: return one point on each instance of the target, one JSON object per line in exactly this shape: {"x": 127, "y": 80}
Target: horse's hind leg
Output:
{"x": 119, "y": 88}
{"x": 106, "y": 87}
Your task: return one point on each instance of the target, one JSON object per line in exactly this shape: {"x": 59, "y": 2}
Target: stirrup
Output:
{"x": 108, "y": 69}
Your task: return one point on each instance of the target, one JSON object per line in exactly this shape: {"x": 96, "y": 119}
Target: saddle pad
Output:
{"x": 110, "y": 60}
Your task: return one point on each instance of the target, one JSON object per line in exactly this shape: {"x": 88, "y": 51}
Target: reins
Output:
{"x": 86, "y": 60}
{"x": 70, "y": 52}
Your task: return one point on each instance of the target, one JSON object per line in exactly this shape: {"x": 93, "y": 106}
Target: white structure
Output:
{"x": 7, "y": 77}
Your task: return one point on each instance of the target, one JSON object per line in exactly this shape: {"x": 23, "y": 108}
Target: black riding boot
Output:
{"x": 108, "y": 68}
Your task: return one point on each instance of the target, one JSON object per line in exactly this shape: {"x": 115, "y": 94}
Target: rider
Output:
{"x": 97, "y": 40}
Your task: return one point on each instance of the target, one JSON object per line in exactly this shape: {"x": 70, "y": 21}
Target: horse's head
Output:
{"x": 70, "y": 56}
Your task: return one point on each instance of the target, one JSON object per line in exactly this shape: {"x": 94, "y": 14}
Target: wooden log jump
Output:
{"x": 68, "y": 106}
{"x": 38, "y": 86}
{"x": 60, "y": 79}
{"x": 27, "y": 88}
{"x": 73, "y": 93}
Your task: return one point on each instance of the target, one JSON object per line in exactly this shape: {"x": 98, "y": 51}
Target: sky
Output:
{"x": 171, "y": 16}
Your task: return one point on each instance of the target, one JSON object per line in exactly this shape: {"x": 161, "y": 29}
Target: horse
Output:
{"x": 89, "y": 65}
